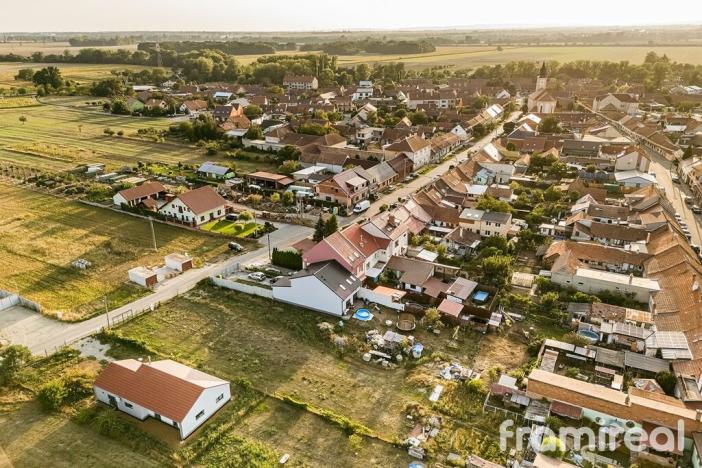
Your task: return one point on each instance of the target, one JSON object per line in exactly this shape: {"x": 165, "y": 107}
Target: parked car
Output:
{"x": 235, "y": 246}
{"x": 696, "y": 209}
{"x": 257, "y": 276}
{"x": 361, "y": 206}
{"x": 688, "y": 200}
{"x": 392, "y": 187}
{"x": 232, "y": 217}
{"x": 270, "y": 271}
{"x": 677, "y": 216}
{"x": 675, "y": 178}
{"x": 696, "y": 248}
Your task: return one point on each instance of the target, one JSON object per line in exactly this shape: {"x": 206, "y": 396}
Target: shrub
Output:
{"x": 287, "y": 259}
{"x": 52, "y": 394}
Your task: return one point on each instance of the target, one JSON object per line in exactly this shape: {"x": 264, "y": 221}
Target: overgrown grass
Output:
{"x": 41, "y": 235}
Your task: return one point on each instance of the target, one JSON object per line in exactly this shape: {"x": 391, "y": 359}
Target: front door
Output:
{"x": 112, "y": 400}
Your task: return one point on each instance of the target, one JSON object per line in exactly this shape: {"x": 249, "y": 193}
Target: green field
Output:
{"x": 41, "y": 235}
{"x": 82, "y": 73}
{"x": 62, "y": 132}
{"x": 469, "y": 56}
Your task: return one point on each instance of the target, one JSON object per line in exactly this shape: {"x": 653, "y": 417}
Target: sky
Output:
{"x": 316, "y": 15}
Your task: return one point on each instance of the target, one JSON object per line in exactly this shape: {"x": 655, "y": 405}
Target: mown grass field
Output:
{"x": 28, "y": 48}
{"x": 41, "y": 235}
{"x": 61, "y": 132}
{"x": 469, "y": 56}
{"x": 82, "y": 73}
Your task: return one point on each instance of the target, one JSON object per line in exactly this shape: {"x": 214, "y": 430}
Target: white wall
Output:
{"x": 173, "y": 208}
{"x": 241, "y": 287}
{"x": 311, "y": 293}
{"x": 381, "y": 299}
{"x": 137, "y": 411}
{"x": 207, "y": 403}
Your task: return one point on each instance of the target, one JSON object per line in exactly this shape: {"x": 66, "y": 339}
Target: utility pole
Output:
{"x": 269, "y": 247}
{"x": 153, "y": 233}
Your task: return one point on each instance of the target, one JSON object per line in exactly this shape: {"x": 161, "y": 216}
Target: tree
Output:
{"x": 108, "y": 88}
{"x": 486, "y": 202}
{"x": 119, "y": 107}
{"x": 275, "y": 197}
{"x": 319, "y": 229}
{"x": 49, "y": 77}
{"x": 23, "y": 119}
{"x": 255, "y": 199}
{"x": 288, "y": 167}
{"x": 252, "y": 111}
{"x": 288, "y": 198}
{"x": 12, "y": 359}
{"x": 496, "y": 269}
{"x": 52, "y": 394}
{"x": 331, "y": 226}
{"x": 432, "y": 317}
{"x": 667, "y": 382}
{"x": 24, "y": 74}
{"x": 550, "y": 124}
{"x": 688, "y": 152}
{"x": 254, "y": 133}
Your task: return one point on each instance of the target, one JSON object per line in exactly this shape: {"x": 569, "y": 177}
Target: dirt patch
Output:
{"x": 500, "y": 350}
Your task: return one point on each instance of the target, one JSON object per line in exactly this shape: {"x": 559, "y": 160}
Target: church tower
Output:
{"x": 542, "y": 79}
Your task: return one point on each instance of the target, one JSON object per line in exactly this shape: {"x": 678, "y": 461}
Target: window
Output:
{"x": 200, "y": 414}
{"x": 128, "y": 405}
{"x": 202, "y": 218}
{"x": 219, "y": 398}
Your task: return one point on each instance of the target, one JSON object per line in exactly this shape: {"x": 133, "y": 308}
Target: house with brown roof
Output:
{"x": 417, "y": 149}
{"x": 167, "y": 391}
{"x": 346, "y": 188}
{"x": 269, "y": 180}
{"x": 196, "y": 207}
{"x": 136, "y": 195}
{"x": 193, "y": 108}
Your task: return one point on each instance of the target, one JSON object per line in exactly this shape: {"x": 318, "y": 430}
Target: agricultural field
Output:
{"x": 470, "y": 56}
{"x": 28, "y": 48}
{"x": 82, "y": 73}
{"x": 14, "y": 102}
{"x": 41, "y": 235}
{"x": 61, "y": 132}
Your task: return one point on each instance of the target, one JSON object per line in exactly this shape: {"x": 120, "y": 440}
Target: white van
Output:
{"x": 361, "y": 206}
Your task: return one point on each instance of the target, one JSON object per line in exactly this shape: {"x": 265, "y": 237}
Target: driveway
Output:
{"x": 41, "y": 334}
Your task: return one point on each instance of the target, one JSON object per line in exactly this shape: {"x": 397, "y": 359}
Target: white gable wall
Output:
{"x": 311, "y": 293}
{"x": 210, "y": 400}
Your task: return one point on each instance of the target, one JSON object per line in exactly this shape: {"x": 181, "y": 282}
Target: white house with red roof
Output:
{"x": 416, "y": 148}
{"x": 196, "y": 207}
{"x": 167, "y": 391}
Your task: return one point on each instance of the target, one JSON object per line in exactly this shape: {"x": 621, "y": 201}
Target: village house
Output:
{"x": 346, "y": 188}
{"x": 167, "y": 391}
{"x": 135, "y": 196}
{"x": 195, "y": 207}
{"x": 211, "y": 170}
{"x": 417, "y": 149}
{"x": 193, "y": 108}
{"x": 269, "y": 181}
{"x": 300, "y": 82}
{"x": 619, "y": 102}
{"x": 335, "y": 289}
{"x": 541, "y": 101}
{"x": 486, "y": 223}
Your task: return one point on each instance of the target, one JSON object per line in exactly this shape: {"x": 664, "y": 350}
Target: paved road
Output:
{"x": 41, "y": 334}
{"x": 662, "y": 168}
{"x": 436, "y": 172}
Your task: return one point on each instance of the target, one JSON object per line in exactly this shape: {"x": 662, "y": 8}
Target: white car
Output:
{"x": 257, "y": 276}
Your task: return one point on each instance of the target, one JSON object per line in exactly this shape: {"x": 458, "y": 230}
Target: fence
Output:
{"x": 241, "y": 287}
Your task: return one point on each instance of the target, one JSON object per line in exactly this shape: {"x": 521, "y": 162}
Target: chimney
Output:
{"x": 391, "y": 219}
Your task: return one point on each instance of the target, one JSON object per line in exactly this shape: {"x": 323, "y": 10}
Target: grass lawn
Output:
{"x": 229, "y": 228}
{"x": 41, "y": 235}
{"x": 79, "y": 72}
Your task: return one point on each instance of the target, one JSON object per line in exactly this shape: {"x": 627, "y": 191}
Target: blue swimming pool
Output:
{"x": 592, "y": 336}
{"x": 480, "y": 296}
{"x": 363, "y": 315}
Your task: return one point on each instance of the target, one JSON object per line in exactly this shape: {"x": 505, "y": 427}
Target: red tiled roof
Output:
{"x": 202, "y": 199}
{"x": 141, "y": 191}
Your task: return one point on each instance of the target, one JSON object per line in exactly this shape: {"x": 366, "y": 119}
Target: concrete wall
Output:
{"x": 241, "y": 287}
{"x": 8, "y": 299}
{"x": 380, "y": 299}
